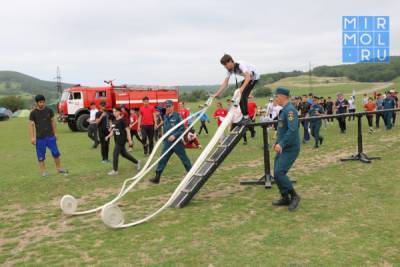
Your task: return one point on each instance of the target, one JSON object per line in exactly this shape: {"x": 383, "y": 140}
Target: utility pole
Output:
{"x": 58, "y": 84}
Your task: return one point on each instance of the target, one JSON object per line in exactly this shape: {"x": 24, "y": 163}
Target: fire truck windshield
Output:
{"x": 64, "y": 96}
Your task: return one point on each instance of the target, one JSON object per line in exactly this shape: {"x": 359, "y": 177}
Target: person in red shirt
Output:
{"x": 147, "y": 118}
{"x": 133, "y": 124}
{"x": 220, "y": 113}
{"x": 125, "y": 114}
{"x": 252, "y": 108}
{"x": 191, "y": 140}
{"x": 184, "y": 112}
{"x": 370, "y": 106}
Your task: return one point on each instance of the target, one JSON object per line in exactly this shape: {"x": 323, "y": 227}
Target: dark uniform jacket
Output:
{"x": 170, "y": 121}
{"x": 288, "y": 128}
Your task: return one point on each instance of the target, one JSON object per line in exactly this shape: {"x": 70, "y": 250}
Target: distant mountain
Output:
{"x": 15, "y": 83}
{"x": 363, "y": 72}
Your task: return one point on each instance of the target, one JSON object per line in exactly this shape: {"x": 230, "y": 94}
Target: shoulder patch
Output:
{"x": 290, "y": 115}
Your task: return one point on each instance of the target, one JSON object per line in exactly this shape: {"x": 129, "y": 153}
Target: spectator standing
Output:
{"x": 92, "y": 129}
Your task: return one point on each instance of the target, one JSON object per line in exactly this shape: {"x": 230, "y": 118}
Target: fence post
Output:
{"x": 361, "y": 156}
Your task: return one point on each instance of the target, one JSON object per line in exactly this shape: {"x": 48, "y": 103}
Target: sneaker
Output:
{"x": 63, "y": 171}
{"x": 245, "y": 143}
{"x": 45, "y": 174}
{"x": 112, "y": 173}
{"x": 105, "y": 161}
{"x": 138, "y": 165}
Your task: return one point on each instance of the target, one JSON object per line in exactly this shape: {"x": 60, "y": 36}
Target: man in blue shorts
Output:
{"x": 42, "y": 131}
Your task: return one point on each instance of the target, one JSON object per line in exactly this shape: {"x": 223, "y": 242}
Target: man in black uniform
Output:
{"x": 102, "y": 120}
{"x": 342, "y": 106}
{"x": 329, "y": 108}
{"x": 121, "y": 133}
{"x": 304, "y": 107}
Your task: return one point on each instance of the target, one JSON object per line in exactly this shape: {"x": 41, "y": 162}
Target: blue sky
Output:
{"x": 174, "y": 42}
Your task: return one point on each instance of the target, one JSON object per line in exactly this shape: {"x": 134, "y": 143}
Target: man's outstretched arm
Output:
{"x": 222, "y": 87}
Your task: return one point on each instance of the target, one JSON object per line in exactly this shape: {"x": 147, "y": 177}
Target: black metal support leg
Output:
{"x": 267, "y": 179}
{"x": 360, "y": 156}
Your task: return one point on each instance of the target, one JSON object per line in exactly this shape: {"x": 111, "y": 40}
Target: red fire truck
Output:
{"x": 74, "y": 104}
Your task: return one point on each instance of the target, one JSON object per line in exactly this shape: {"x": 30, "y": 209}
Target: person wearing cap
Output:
{"x": 315, "y": 124}
{"x": 102, "y": 121}
{"x": 121, "y": 132}
{"x": 251, "y": 77}
{"x": 92, "y": 129}
{"x": 341, "y": 106}
{"x": 42, "y": 131}
{"x": 287, "y": 148}
{"x": 388, "y": 103}
{"x": 171, "y": 119}
{"x": 146, "y": 121}
{"x": 269, "y": 107}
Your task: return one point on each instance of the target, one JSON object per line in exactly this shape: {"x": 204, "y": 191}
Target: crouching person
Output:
{"x": 171, "y": 119}
{"x": 121, "y": 133}
{"x": 42, "y": 130}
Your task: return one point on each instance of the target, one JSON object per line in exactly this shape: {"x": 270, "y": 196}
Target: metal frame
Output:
{"x": 267, "y": 179}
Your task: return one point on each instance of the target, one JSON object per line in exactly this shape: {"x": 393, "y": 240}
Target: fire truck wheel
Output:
{"x": 72, "y": 126}
{"x": 81, "y": 123}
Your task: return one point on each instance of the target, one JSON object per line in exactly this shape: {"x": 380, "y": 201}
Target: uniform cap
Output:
{"x": 169, "y": 103}
{"x": 282, "y": 91}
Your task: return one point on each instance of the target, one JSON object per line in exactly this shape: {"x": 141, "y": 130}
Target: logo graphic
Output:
{"x": 365, "y": 39}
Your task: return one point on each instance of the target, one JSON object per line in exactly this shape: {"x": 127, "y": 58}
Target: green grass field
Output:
{"x": 349, "y": 214}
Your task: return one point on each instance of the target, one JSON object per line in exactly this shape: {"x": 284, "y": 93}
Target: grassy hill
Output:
{"x": 15, "y": 83}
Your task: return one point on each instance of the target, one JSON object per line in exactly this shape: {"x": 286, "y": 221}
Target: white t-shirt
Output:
{"x": 365, "y": 100}
{"x": 352, "y": 104}
{"x": 275, "y": 111}
{"x": 92, "y": 117}
{"x": 244, "y": 68}
{"x": 237, "y": 114}
{"x": 269, "y": 107}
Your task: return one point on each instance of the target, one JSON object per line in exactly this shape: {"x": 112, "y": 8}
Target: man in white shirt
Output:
{"x": 269, "y": 108}
{"x": 92, "y": 129}
{"x": 251, "y": 77}
{"x": 236, "y": 119}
